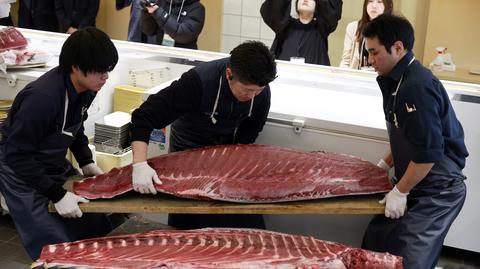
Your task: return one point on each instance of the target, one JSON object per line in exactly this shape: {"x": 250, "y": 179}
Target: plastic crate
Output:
{"x": 107, "y": 161}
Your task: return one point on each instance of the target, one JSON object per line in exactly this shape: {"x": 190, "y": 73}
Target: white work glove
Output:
{"x": 67, "y": 207}
{"x": 3, "y": 205}
{"x": 91, "y": 170}
{"x": 382, "y": 164}
{"x": 395, "y": 203}
{"x": 143, "y": 177}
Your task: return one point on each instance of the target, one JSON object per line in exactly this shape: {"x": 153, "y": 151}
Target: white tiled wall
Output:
{"x": 241, "y": 22}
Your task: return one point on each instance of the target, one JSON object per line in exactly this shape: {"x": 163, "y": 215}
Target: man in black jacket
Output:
{"x": 306, "y": 36}
{"x": 76, "y": 14}
{"x": 46, "y": 119}
{"x": 224, "y": 101}
{"x": 175, "y": 22}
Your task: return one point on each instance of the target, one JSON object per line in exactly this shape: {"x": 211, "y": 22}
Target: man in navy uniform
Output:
{"x": 427, "y": 149}
{"x": 45, "y": 120}
{"x": 225, "y": 101}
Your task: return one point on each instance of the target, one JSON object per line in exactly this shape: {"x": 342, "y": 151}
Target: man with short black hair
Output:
{"x": 46, "y": 119}
{"x": 427, "y": 149}
{"x": 224, "y": 101}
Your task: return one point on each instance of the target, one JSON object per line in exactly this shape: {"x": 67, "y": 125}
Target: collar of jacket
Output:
{"x": 400, "y": 67}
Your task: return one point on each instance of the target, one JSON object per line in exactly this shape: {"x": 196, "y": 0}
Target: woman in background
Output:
{"x": 305, "y": 36}
{"x": 354, "y": 54}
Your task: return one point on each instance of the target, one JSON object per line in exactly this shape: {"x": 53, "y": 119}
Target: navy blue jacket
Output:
{"x": 189, "y": 102}
{"x": 295, "y": 39}
{"x": 76, "y": 13}
{"x": 36, "y": 113}
{"x": 424, "y": 112}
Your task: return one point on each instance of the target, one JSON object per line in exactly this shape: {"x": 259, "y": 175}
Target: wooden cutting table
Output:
{"x": 141, "y": 203}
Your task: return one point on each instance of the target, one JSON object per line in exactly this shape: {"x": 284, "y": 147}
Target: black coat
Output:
{"x": 295, "y": 39}
{"x": 38, "y": 15}
{"x": 76, "y": 13}
{"x": 185, "y": 31}
{"x": 36, "y": 114}
{"x": 188, "y": 104}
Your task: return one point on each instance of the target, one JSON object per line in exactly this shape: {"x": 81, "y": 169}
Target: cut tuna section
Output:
{"x": 11, "y": 38}
{"x": 213, "y": 248}
{"x": 248, "y": 174}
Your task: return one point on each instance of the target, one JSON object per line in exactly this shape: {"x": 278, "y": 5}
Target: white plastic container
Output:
{"x": 107, "y": 161}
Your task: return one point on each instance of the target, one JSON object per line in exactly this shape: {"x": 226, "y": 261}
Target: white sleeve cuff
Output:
{"x": 382, "y": 164}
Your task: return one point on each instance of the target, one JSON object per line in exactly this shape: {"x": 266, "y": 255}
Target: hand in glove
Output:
{"x": 67, "y": 207}
{"x": 395, "y": 203}
{"x": 91, "y": 170}
{"x": 3, "y": 205}
{"x": 143, "y": 177}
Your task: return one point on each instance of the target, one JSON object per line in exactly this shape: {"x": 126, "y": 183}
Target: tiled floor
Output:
{"x": 452, "y": 258}
{"x": 13, "y": 256}
{"x": 12, "y": 253}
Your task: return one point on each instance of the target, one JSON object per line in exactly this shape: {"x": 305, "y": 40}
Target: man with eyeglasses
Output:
{"x": 46, "y": 119}
{"x": 224, "y": 101}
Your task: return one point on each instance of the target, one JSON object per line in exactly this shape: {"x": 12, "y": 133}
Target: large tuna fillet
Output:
{"x": 248, "y": 173}
{"x": 11, "y": 38}
{"x": 213, "y": 248}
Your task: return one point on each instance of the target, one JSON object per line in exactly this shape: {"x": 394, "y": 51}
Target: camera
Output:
{"x": 148, "y": 3}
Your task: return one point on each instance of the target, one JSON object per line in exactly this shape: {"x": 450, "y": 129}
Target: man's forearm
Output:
{"x": 139, "y": 150}
{"x": 413, "y": 175}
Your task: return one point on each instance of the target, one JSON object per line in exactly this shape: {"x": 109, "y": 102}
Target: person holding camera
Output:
{"x": 134, "y": 33}
{"x": 224, "y": 101}
{"x": 306, "y": 36}
{"x": 176, "y": 23}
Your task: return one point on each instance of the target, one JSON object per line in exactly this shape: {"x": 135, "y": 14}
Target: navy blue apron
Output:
{"x": 29, "y": 208}
{"x": 432, "y": 206}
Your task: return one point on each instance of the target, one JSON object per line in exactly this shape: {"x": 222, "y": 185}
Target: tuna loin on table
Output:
{"x": 213, "y": 248}
{"x": 11, "y": 38}
{"x": 248, "y": 173}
